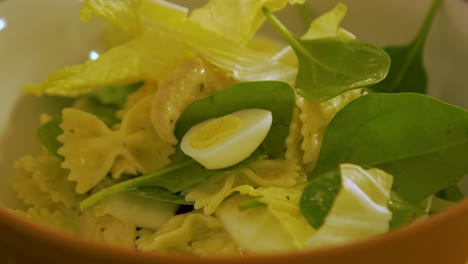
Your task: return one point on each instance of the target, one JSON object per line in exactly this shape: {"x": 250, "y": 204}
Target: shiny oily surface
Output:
{"x": 31, "y": 45}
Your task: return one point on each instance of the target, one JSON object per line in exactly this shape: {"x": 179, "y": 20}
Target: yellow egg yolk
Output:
{"x": 215, "y": 131}
{"x": 225, "y": 141}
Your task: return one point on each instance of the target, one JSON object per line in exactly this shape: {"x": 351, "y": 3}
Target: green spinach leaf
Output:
{"x": 451, "y": 193}
{"x": 103, "y": 103}
{"x": 344, "y": 191}
{"x": 421, "y": 141}
{"x": 48, "y": 133}
{"x": 250, "y": 204}
{"x": 319, "y": 196}
{"x": 107, "y": 113}
{"x": 115, "y": 95}
{"x": 403, "y": 212}
{"x": 160, "y": 194}
{"x": 305, "y": 15}
{"x": 329, "y": 66}
{"x": 184, "y": 172}
{"x": 179, "y": 176}
{"x": 277, "y": 97}
{"x": 189, "y": 173}
{"x": 407, "y": 72}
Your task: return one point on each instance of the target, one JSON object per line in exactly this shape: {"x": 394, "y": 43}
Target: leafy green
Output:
{"x": 160, "y": 194}
{"x": 438, "y": 205}
{"x": 305, "y": 15}
{"x": 136, "y": 210}
{"x": 249, "y": 204}
{"x": 189, "y": 173}
{"x": 163, "y": 36}
{"x": 107, "y": 113}
{"x": 48, "y": 133}
{"x": 403, "y": 212}
{"x": 451, "y": 193}
{"x": 278, "y": 225}
{"x": 183, "y": 172}
{"x": 328, "y": 24}
{"x": 115, "y": 95}
{"x": 329, "y": 66}
{"x": 107, "y": 101}
{"x": 347, "y": 203}
{"x": 407, "y": 73}
{"x": 135, "y": 60}
{"x": 103, "y": 103}
{"x": 319, "y": 196}
{"x": 420, "y": 140}
{"x": 242, "y": 20}
{"x": 277, "y": 97}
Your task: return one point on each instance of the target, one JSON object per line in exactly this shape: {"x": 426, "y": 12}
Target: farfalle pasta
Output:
{"x": 29, "y": 193}
{"x": 315, "y": 116}
{"x": 51, "y": 179}
{"x": 62, "y": 219}
{"x": 107, "y": 229}
{"x": 91, "y": 149}
{"x": 294, "y": 152}
{"x": 264, "y": 173}
{"x": 183, "y": 139}
{"x": 193, "y": 233}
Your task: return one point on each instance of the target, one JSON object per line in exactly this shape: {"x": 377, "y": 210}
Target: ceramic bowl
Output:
{"x": 39, "y": 36}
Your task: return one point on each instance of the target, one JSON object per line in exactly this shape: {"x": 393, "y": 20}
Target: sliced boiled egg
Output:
{"x": 225, "y": 141}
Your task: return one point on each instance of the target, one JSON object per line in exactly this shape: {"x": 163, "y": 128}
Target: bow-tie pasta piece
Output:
{"x": 62, "y": 219}
{"x": 49, "y": 179}
{"x": 264, "y": 173}
{"x": 193, "y": 233}
{"x": 107, "y": 229}
{"x": 315, "y": 117}
{"x": 193, "y": 80}
{"x": 91, "y": 149}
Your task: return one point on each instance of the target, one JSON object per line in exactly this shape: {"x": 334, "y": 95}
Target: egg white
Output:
{"x": 235, "y": 148}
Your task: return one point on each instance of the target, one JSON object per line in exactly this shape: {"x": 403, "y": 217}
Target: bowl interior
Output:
{"x": 31, "y": 46}
{"x": 34, "y": 43}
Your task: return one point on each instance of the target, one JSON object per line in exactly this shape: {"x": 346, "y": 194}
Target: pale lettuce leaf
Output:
{"x": 276, "y": 227}
{"x": 163, "y": 38}
{"x": 136, "y": 210}
{"x": 241, "y": 22}
{"x": 328, "y": 24}
{"x": 216, "y": 47}
{"x": 276, "y": 184}
{"x": 283, "y": 204}
{"x": 360, "y": 209}
{"x": 121, "y": 14}
{"x": 255, "y": 230}
{"x": 131, "y": 62}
